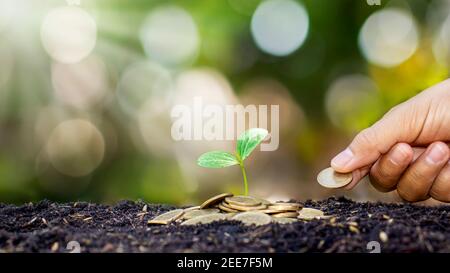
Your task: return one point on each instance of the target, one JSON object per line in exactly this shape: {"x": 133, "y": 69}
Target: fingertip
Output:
{"x": 349, "y": 161}
{"x": 405, "y": 149}
{"x": 437, "y": 153}
{"x": 341, "y": 162}
{"x": 443, "y": 147}
{"x": 401, "y": 154}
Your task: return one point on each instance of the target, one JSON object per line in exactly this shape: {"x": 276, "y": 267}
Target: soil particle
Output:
{"x": 48, "y": 227}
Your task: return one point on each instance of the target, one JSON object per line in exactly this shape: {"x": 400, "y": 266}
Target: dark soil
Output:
{"x": 48, "y": 227}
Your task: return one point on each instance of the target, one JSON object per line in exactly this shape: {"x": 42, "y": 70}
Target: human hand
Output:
{"x": 405, "y": 150}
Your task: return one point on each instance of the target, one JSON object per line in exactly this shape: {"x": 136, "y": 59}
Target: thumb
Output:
{"x": 371, "y": 143}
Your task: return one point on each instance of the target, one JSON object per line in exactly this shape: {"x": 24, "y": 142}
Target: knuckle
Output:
{"x": 380, "y": 180}
{"x": 366, "y": 138}
{"x": 379, "y": 185}
{"x": 385, "y": 172}
{"x": 444, "y": 176}
{"x": 407, "y": 195}
{"x": 440, "y": 194}
{"x": 367, "y": 135}
{"x": 441, "y": 188}
{"x": 415, "y": 177}
{"x": 413, "y": 188}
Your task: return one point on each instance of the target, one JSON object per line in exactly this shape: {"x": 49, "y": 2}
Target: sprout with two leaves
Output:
{"x": 246, "y": 143}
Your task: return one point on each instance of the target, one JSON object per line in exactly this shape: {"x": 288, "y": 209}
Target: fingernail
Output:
{"x": 342, "y": 159}
{"x": 399, "y": 155}
{"x": 436, "y": 154}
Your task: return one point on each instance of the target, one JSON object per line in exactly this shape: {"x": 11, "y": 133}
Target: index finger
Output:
{"x": 358, "y": 175}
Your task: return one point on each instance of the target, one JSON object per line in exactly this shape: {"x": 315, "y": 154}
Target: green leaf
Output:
{"x": 248, "y": 141}
{"x": 217, "y": 159}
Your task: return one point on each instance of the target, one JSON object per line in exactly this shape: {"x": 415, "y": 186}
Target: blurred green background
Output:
{"x": 86, "y": 90}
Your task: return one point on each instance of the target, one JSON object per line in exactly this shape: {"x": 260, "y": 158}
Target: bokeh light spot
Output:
{"x": 441, "y": 43}
{"x": 389, "y": 37}
{"x": 7, "y": 12}
{"x": 81, "y": 85}
{"x": 154, "y": 125}
{"x": 213, "y": 88}
{"x": 267, "y": 91}
{"x": 209, "y": 84}
{"x": 141, "y": 81}
{"x": 353, "y": 102}
{"x": 279, "y": 27}
{"x": 68, "y": 34}
{"x": 169, "y": 36}
{"x": 75, "y": 147}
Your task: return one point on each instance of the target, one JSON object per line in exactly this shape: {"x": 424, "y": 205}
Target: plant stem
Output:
{"x": 245, "y": 178}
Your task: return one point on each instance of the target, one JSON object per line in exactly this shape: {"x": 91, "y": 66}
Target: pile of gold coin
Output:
{"x": 246, "y": 209}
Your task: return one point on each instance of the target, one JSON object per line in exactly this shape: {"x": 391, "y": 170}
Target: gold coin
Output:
{"x": 225, "y": 204}
{"x": 283, "y": 220}
{"x": 191, "y": 208}
{"x": 253, "y": 218}
{"x": 282, "y": 208}
{"x": 198, "y": 212}
{"x": 225, "y": 208}
{"x": 242, "y": 201}
{"x": 287, "y": 204}
{"x": 263, "y": 201}
{"x": 310, "y": 214}
{"x": 329, "y": 178}
{"x": 215, "y": 200}
{"x": 246, "y": 208}
{"x": 166, "y": 218}
{"x": 272, "y": 211}
{"x": 205, "y": 219}
{"x": 289, "y": 214}
{"x": 285, "y": 207}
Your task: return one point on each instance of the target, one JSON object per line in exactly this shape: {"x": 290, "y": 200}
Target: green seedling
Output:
{"x": 246, "y": 143}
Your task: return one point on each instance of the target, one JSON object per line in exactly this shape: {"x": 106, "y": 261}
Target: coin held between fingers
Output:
{"x": 329, "y": 178}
